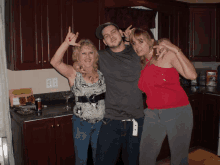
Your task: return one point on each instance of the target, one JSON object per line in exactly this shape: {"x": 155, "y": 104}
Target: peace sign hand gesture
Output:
{"x": 127, "y": 33}
{"x": 71, "y": 38}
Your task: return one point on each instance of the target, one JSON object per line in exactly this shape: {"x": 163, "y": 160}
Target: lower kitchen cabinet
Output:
{"x": 45, "y": 142}
{"x": 210, "y": 122}
{"x": 197, "y": 106}
{"x": 205, "y": 121}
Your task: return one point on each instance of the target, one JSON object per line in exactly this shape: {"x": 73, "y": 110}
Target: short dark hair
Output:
{"x": 101, "y": 27}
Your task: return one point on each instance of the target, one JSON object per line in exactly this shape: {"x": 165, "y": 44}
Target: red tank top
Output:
{"x": 162, "y": 88}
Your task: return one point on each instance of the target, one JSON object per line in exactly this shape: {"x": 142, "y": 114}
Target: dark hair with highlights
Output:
{"x": 77, "y": 50}
{"x": 136, "y": 33}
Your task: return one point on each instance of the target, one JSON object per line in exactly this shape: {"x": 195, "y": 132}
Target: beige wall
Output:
{"x": 36, "y": 79}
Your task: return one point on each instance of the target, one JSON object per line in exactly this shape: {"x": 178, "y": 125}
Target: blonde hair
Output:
{"x": 136, "y": 33}
{"x": 77, "y": 50}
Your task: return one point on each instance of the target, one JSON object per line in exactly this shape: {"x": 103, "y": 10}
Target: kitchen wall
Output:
{"x": 213, "y": 65}
{"x": 36, "y": 79}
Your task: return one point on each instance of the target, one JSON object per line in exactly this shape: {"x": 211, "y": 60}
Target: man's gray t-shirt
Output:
{"x": 121, "y": 71}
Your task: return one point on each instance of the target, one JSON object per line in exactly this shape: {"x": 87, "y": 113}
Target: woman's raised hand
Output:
{"x": 164, "y": 45}
{"x": 71, "y": 38}
{"x": 168, "y": 45}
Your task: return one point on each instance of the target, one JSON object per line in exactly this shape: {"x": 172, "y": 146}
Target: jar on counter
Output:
{"x": 38, "y": 104}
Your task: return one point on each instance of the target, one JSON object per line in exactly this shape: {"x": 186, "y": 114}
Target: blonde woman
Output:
{"x": 89, "y": 90}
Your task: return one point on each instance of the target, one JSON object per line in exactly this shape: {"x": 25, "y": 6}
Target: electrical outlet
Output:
{"x": 55, "y": 82}
{"x": 49, "y": 83}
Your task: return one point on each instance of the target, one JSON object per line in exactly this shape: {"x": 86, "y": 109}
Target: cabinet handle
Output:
{"x": 52, "y": 126}
{"x": 39, "y": 61}
{"x": 45, "y": 61}
{"x": 58, "y": 125}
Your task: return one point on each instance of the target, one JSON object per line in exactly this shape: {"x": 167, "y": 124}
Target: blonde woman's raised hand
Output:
{"x": 71, "y": 38}
{"x": 127, "y": 33}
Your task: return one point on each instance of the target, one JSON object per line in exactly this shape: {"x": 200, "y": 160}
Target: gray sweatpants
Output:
{"x": 177, "y": 124}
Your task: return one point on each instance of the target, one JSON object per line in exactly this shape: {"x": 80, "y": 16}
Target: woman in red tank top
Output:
{"x": 169, "y": 112}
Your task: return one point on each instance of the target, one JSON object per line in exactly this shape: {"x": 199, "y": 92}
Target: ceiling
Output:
{"x": 200, "y": 1}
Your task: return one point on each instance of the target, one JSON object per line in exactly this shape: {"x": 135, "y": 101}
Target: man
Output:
{"x": 122, "y": 126}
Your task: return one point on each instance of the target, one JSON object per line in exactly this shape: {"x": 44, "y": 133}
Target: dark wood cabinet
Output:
{"x": 33, "y": 32}
{"x": 202, "y": 34}
{"x": 44, "y": 142}
{"x": 174, "y": 26}
{"x": 39, "y": 142}
{"x": 205, "y": 131}
{"x": 210, "y": 122}
{"x": 196, "y": 102}
{"x": 194, "y": 30}
{"x": 36, "y": 28}
{"x": 64, "y": 140}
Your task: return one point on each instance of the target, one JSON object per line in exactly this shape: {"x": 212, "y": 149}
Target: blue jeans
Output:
{"x": 84, "y": 133}
{"x": 116, "y": 136}
{"x": 177, "y": 124}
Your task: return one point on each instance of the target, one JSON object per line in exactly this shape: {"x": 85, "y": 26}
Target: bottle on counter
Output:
{"x": 38, "y": 104}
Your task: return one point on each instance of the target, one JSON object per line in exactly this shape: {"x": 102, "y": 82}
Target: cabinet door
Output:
{"x": 39, "y": 142}
{"x": 202, "y": 34}
{"x": 196, "y": 102}
{"x": 34, "y": 31}
{"x": 174, "y": 27}
{"x": 64, "y": 140}
{"x": 218, "y": 33}
{"x": 165, "y": 25}
{"x": 25, "y": 43}
{"x": 210, "y": 123}
{"x": 51, "y": 30}
{"x": 86, "y": 19}
{"x": 67, "y": 21}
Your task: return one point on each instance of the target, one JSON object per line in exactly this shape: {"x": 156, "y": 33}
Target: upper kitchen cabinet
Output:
{"x": 172, "y": 22}
{"x": 36, "y": 28}
{"x": 202, "y": 33}
{"x": 174, "y": 26}
{"x": 33, "y": 29}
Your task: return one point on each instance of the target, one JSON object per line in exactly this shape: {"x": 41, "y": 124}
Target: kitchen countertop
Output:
{"x": 56, "y": 107}
{"x": 190, "y": 90}
{"x": 52, "y": 110}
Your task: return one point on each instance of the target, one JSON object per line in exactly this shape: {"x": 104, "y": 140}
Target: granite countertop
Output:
{"x": 190, "y": 90}
{"x": 53, "y": 109}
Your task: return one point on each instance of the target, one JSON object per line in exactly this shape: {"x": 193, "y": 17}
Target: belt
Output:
{"x": 92, "y": 99}
{"x": 135, "y": 126}
{"x": 88, "y": 120}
